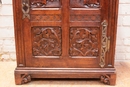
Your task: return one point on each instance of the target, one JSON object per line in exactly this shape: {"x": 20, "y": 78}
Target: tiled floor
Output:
{"x": 7, "y": 78}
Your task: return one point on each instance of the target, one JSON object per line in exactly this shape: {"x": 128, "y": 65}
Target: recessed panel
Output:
{"x": 46, "y": 41}
{"x": 82, "y": 17}
{"x": 84, "y": 42}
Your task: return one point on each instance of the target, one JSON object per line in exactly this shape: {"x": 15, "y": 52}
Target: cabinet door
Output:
{"x": 65, "y": 33}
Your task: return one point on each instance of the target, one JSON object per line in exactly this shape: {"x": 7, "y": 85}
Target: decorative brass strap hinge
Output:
{"x": 25, "y": 9}
{"x": 105, "y": 43}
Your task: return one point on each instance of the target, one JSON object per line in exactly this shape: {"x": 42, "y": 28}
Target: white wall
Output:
{"x": 7, "y": 44}
{"x": 123, "y": 32}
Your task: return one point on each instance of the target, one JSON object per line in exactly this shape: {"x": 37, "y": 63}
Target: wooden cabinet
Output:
{"x": 65, "y": 39}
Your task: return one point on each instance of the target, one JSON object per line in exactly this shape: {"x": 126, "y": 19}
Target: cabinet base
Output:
{"x": 24, "y": 75}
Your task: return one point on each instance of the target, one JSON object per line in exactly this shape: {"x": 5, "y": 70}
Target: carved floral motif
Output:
{"x": 84, "y": 42}
{"x": 46, "y": 41}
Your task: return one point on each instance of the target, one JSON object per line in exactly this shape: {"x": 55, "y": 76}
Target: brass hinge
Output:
{"x": 105, "y": 43}
{"x": 25, "y": 9}
{"x": 108, "y": 43}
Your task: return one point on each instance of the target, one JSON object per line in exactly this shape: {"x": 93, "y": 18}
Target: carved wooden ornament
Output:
{"x": 41, "y": 3}
{"x": 84, "y": 42}
{"x": 25, "y": 78}
{"x": 92, "y": 3}
{"x": 46, "y": 41}
{"x": 105, "y": 79}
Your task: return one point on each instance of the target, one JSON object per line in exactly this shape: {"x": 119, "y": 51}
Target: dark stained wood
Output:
{"x": 18, "y": 33}
{"x": 65, "y": 39}
{"x": 47, "y": 23}
{"x": 46, "y": 41}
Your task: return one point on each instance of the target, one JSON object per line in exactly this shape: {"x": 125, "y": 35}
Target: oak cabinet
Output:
{"x": 65, "y": 39}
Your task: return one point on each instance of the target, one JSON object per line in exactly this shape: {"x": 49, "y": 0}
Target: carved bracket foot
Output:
{"x": 109, "y": 79}
{"x": 105, "y": 79}
{"x": 25, "y": 78}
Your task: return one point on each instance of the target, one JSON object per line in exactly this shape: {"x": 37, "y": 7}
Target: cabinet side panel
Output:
{"x": 113, "y": 15}
{"x": 17, "y": 12}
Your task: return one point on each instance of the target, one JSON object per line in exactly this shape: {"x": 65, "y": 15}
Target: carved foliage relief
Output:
{"x": 46, "y": 41}
{"x": 45, "y": 3}
{"x": 85, "y": 3}
{"x": 84, "y": 42}
{"x": 92, "y": 3}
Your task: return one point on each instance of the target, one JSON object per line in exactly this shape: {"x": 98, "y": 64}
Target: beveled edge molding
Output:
{"x": 25, "y": 78}
{"x": 25, "y": 9}
{"x": 86, "y": 70}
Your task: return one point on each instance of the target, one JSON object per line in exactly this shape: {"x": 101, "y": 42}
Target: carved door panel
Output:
{"x": 88, "y": 31}
{"x": 65, "y": 33}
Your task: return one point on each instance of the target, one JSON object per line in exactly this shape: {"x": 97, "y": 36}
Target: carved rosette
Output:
{"x": 105, "y": 79}
{"x": 25, "y": 78}
{"x": 46, "y": 41}
{"x": 84, "y": 42}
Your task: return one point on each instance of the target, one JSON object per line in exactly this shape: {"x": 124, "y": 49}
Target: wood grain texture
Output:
{"x": 64, "y": 36}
